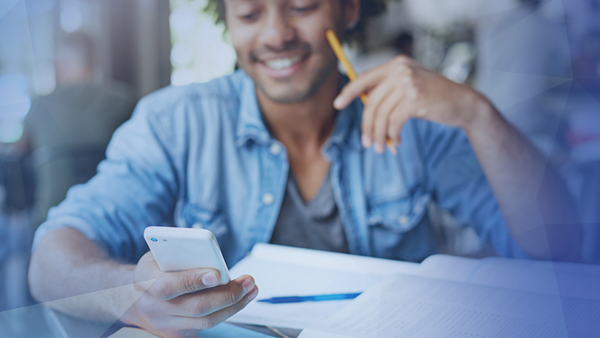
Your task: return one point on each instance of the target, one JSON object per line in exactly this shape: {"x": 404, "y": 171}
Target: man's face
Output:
{"x": 281, "y": 44}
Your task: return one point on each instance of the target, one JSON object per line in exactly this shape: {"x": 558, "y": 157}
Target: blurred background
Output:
{"x": 71, "y": 71}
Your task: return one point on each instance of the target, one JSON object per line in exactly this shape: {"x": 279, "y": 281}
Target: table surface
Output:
{"x": 41, "y": 322}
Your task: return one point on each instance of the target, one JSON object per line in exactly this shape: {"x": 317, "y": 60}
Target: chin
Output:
{"x": 284, "y": 95}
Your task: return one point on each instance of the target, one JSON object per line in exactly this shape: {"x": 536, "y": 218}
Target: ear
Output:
{"x": 351, "y": 13}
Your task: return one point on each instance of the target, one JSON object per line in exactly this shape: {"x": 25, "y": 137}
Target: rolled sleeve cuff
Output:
{"x": 66, "y": 222}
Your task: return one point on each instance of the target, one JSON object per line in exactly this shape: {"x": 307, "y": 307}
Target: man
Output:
{"x": 234, "y": 156}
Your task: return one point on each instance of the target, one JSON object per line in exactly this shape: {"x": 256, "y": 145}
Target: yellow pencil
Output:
{"x": 339, "y": 52}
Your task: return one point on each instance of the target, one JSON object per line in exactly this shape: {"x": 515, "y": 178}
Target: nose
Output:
{"x": 277, "y": 32}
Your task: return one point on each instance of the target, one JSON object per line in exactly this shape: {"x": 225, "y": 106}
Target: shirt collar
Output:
{"x": 346, "y": 131}
{"x": 250, "y": 123}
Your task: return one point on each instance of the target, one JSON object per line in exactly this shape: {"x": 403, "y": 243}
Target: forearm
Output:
{"x": 72, "y": 274}
{"x": 536, "y": 205}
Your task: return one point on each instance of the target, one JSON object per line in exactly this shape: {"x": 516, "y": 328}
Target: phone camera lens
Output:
{"x": 154, "y": 239}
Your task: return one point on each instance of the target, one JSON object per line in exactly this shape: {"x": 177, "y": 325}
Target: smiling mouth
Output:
{"x": 282, "y": 63}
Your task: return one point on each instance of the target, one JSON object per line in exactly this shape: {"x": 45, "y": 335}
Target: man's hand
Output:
{"x": 401, "y": 89}
{"x": 534, "y": 201}
{"x": 180, "y": 304}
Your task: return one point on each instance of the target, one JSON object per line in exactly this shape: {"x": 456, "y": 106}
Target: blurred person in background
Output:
{"x": 518, "y": 50}
{"x": 68, "y": 130}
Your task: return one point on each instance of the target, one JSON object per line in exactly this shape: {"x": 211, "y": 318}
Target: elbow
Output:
{"x": 43, "y": 271}
{"x": 36, "y": 279}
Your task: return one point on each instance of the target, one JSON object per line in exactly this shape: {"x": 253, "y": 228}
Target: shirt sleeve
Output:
{"x": 460, "y": 186}
{"x": 136, "y": 186}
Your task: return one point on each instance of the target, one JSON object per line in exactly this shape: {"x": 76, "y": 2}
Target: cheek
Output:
{"x": 242, "y": 43}
{"x": 313, "y": 32}
{"x": 242, "y": 37}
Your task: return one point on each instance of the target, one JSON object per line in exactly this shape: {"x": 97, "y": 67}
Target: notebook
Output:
{"x": 462, "y": 297}
{"x": 287, "y": 271}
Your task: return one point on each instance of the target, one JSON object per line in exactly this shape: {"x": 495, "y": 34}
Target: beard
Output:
{"x": 295, "y": 88}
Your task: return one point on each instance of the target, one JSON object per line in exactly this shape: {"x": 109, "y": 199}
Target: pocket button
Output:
{"x": 403, "y": 220}
{"x": 275, "y": 149}
{"x": 268, "y": 199}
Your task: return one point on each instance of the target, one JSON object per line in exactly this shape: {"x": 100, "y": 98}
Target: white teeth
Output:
{"x": 282, "y": 63}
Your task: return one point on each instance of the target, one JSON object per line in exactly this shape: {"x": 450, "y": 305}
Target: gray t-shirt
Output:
{"x": 315, "y": 224}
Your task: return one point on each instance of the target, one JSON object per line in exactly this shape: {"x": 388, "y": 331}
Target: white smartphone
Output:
{"x": 179, "y": 249}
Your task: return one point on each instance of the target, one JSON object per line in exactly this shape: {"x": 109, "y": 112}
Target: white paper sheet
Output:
{"x": 286, "y": 271}
{"x": 556, "y": 278}
{"x": 412, "y": 306}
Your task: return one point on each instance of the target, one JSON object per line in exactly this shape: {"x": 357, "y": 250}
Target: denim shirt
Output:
{"x": 201, "y": 156}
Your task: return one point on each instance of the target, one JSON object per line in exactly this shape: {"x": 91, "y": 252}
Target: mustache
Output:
{"x": 255, "y": 55}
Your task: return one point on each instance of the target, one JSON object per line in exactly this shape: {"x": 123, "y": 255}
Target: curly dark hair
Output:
{"x": 368, "y": 9}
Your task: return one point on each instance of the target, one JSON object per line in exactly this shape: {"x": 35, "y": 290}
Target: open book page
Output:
{"x": 286, "y": 271}
{"x": 565, "y": 279}
{"x": 413, "y": 306}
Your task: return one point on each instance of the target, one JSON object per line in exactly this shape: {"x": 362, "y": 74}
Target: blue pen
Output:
{"x": 319, "y": 298}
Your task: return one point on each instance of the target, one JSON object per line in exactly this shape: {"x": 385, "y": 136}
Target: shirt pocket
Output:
{"x": 196, "y": 216}
{"x": 397, "y": 211}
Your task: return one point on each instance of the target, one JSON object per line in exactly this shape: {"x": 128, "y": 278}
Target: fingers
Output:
{"x": 380, "y": 122}
{"x": 364, "y": 83}
{"x": 186, "y": 315}
{"x": 220, "y": 316}
{"x": 380, "y": 111}
{"x": 209, "y": 301}
{"x": 396, "y": 121}
{"x": 189, "y": 326}
{"x": 173, "y": 284}
{"x": 389, "y": 105}
{"x": 371, "y": 112}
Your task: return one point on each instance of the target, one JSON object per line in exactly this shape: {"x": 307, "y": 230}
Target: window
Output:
{"x": 200, "y": 50}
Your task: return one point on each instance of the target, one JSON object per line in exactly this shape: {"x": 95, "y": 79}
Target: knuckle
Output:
{"x": 234, "y": 296}
{"x": 381, "y": 128}
{"x": 404, "y": 59}
{"x": 395, "y": 121}
{"x": 409, "y": 75}
{"x": 399, "y": 61}
{"x": 403, "y": 67}
{"x": 200, "y": 308}
{"x": 391, "y": 131}
{"x": 209, "y": 322}
{"x": 189, "y": 283}
{"x": 240, "y": 305}
{"x": 414, "y": 92}
{"x": 162, "y": 290}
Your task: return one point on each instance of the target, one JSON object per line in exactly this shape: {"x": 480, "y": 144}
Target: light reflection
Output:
{"x": 70, "y": 18}
{"x": 182, "y": 54}
{"x": 14, "y": 106}
{"x": 183, "y": 20}
{"x": 200, "y": 51}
